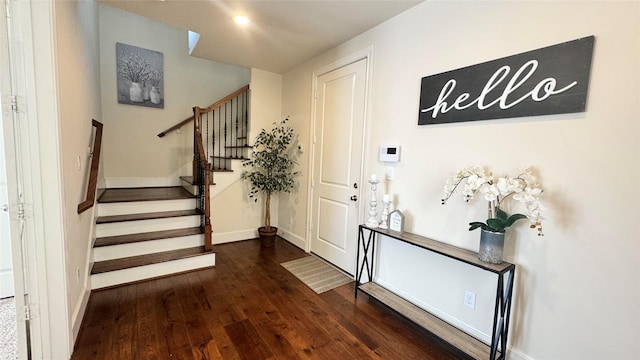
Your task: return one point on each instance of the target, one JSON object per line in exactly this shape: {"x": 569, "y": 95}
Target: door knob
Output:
{"x": 354, "y": 198}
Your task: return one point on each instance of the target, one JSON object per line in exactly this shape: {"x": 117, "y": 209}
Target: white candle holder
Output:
{"x": 384, "y": 221}
{"x": 372, "y": 222}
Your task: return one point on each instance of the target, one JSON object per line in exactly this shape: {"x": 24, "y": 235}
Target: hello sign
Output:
{"x": 551, "y": 80}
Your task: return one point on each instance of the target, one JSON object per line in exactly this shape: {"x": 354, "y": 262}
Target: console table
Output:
{"x": 459, "y": 339}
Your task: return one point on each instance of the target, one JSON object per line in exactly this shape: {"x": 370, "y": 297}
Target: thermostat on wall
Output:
{"x": 390, "y": 153}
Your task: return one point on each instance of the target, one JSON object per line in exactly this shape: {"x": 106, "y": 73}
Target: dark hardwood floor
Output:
{"x": 247, "y": 307}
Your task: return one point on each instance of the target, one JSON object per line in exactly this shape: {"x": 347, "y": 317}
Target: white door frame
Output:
{"x": 366, "y": 54}
{"x": 35, "y": 184}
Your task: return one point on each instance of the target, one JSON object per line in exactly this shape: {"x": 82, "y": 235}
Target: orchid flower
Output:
{"x": 522, "y": 188}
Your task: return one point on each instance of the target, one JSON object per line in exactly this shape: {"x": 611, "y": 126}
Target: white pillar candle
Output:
{"x": 374, "y": 177}
{"x": 386, "y": 198}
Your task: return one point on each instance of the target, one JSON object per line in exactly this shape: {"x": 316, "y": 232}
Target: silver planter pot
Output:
{"x": 491, "y": 246}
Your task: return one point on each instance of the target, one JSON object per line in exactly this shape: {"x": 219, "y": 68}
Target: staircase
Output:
{"x": 143, "y": 233}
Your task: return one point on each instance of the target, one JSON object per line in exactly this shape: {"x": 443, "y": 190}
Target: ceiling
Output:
{"x": 281, "y": 34}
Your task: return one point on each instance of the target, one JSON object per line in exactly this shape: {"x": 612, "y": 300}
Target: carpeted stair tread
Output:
{"x": 144, "y": 194}
{"x": 142, "y": 260}
{"x": 153, "y": 235}
{"x": 146, "y": 216}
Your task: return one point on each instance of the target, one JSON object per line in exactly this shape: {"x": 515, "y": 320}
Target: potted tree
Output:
{"x": 269, "y": 170}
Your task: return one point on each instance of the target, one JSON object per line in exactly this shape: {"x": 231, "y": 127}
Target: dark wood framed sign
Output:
{"x": 551, "y": 80}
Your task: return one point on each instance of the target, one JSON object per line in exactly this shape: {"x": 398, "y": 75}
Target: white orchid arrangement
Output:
{"x": 522, "y": 188}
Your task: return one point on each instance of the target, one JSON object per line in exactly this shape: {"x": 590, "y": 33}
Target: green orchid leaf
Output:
{"x": 513, "y": 218}
{"x": 496, "y": 224}
{"x": 502, "y": 215}
{"x": 476, "y": 224}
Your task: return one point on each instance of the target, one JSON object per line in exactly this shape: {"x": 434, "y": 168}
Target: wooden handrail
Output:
{"x": 225, "y": 99}
{"x": 207, "y": 109}
{"x": 176, "y": 126}
{"x": 90, "y": 197}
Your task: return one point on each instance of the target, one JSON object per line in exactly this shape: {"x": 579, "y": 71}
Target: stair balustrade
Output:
{"x": 220, "y": 133}
{"x": 201, "y": 179}
{"x": 224, "y": 127}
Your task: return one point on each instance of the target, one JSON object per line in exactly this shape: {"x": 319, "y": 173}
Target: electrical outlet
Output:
{"x": 470, "y": 299}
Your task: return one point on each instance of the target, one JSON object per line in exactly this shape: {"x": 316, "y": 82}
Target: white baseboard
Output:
{"x": 517, "y": 355}
{"x": 482, "y": 336}
{"x": 221, "y": 238}
{"x": 293, "y": 238}
{"x": 78, "y": 313}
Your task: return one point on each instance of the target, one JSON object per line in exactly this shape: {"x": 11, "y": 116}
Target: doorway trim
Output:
{"x": 32, "y": 47}
{"x": 366, "y": 54}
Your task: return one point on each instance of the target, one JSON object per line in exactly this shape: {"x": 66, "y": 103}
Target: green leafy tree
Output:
{"x": 270, "y": 169}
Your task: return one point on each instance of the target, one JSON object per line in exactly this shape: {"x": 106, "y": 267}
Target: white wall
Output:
{"x": 234, "y": 216}
{"x": 77, "y": 53}
{"x": 131, "y": 147}
{"x": 577, "y": 288}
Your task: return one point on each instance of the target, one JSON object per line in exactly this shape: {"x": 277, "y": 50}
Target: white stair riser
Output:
{"x": 103, "y": 253}
{"x": 118, "y": 277}
{"x": 141, "y": 226}
{"x": 192, "y": 189}
{"x": 141, "y": 207}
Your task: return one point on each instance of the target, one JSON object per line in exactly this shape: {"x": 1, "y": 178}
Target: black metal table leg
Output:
{"x": 501, "y": 314}
{"x": 367, "y": 259}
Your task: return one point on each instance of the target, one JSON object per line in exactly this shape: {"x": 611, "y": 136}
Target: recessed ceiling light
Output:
{"x": 241, "y": 19}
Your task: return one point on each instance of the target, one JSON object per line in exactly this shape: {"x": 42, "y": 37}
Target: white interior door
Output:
{"x": 6, "y": 264}
{"x": 11, "y": 224}
{"x": 337, "y": 163}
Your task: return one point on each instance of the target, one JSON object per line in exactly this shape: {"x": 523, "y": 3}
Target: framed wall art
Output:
{"x": 140, "y": 76}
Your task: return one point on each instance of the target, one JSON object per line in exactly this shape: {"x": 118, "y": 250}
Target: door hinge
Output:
{"x": 14, "y": 103}
{"x": 30, "y": 311}
{"x": 23, "y": 211}
{"x": 20, "y": 212}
